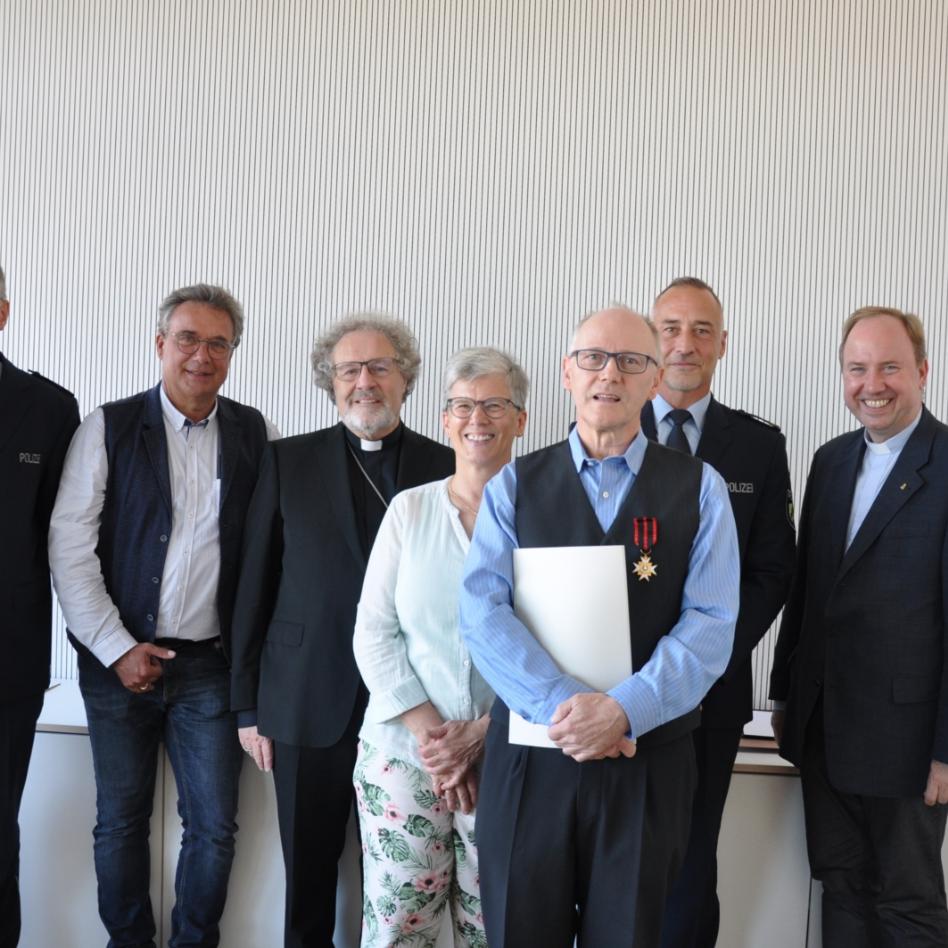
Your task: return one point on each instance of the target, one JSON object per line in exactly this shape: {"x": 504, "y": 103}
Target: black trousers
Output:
{"x": 879, "y": 860}
{"x": 583, "y": 851}
{"x": 693, "y": 913}
{"x": 314, "y": 795}
{"x": 17, "y": 728}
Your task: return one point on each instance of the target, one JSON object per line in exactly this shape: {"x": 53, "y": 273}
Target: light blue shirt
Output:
{"x": 877, "y": 464}
{"x": 692, "y": 429}
{"x": 686, "y": 661}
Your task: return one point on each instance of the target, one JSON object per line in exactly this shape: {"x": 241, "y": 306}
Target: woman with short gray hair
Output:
{"x": 423, "y": 736}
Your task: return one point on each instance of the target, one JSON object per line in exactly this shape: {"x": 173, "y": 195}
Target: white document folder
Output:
{"x": 575, "y": 602}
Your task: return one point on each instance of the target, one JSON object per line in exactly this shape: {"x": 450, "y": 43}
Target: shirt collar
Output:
{"x": 634, "y": 454}
{"x": 894, "y": 444}
{"x": 173, "y": 416}
{"x": 698, "y": 410}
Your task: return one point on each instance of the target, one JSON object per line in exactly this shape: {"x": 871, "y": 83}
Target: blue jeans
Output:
{"x": 189, "y": 711}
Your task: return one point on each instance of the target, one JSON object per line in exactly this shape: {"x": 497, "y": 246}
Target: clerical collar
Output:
{"x": 894, "y": 444}
{"x": 388, "y": 442}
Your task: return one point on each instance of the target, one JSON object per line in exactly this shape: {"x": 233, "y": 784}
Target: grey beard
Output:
{"x": 380, "y": 420}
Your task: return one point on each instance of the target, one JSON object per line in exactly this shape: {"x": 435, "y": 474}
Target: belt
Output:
{"x": 185, "y": 645}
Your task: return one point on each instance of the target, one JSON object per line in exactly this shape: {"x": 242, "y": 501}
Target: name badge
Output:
{"x": 27, "y": 457}
{"x": 740, "y": 487}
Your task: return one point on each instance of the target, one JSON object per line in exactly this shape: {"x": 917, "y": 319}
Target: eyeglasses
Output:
{"x": 594, "y": 360}
{"x": 378, "y": 368}
{"x": 190, "y": 342}
{"x": 493, "y": 407}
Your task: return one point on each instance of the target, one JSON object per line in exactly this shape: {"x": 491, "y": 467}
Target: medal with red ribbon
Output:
{"x": 645, "y": 536}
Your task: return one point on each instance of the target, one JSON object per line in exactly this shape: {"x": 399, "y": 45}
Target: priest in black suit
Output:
{"x": 310, "y": 527}
{"x": 37, "y": 419}
{"x": 751, "y": 456}
{"x": 862, "y": 658}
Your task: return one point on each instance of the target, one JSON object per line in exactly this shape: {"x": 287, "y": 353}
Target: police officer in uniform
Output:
{"x": 37, "y": 419}
{"x": 750, "y": 454}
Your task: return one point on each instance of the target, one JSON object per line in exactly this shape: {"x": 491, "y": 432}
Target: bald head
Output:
{"x": 609, "y": 397}
{"x": 617, "y": 317}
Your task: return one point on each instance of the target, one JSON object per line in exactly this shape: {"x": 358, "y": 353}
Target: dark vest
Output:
{"x": 553, "y": 510}
{"x": 136, "y": 517}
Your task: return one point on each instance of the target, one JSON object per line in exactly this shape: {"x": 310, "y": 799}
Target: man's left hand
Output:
{"x": 937, "y": 789}
{"x": 590, "y": 726}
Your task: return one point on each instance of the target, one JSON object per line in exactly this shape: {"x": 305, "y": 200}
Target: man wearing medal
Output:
{"x": 310, "y": 528}
{"x": 750, "y": 454}
{"x": 860, "y": 664}
{"x": 585, "y": 841}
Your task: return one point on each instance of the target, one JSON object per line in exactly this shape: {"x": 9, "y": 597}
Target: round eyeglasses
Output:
{"x": 189, "y": 343}
{"x": 594, "y": 360}
{"x": 493, "y": 407}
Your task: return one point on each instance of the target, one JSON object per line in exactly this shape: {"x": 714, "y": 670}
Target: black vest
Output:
{"x": 136, "y": 517}
{"x": 553, "y": 510}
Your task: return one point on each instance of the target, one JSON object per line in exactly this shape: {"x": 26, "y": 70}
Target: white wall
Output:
{"x": 487, "y": 169}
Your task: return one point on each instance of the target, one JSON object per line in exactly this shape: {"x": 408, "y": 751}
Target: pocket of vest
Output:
{"x": 285, "y": 633}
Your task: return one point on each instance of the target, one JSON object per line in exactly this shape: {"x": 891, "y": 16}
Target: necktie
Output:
{"x": 677, "y": 439}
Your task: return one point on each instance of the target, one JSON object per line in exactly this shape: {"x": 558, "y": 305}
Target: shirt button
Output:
{"x": 154, "y": 579}
{"x": 605, "y": 493}
{"x": 467, "y": 663}
{"x": 150, "y": 617}
{"x": 164, "y": 538}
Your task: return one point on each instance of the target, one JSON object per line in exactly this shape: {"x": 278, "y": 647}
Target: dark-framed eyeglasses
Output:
{"x": 189, "y": 343}
{"x": 378, "y": 368}
{"x": 594, "y": 360}
{"x": 493, "y": 407}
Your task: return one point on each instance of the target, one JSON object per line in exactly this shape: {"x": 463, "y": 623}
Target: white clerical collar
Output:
{"x": 175, "y": 417}
{"x": 370, "y": 445}
{"x": 894, "y": 444}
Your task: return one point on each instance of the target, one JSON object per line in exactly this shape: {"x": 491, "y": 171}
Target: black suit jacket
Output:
{"x": 300, "y": 584}
{"x": 864, "y": 628}
{"x": 37, "y": 420}
{"x": 751, "y": 456}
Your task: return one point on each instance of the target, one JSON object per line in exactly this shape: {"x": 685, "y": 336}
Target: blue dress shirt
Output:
{"x": 692, "y": 429}
{"x": 686, "y": 661}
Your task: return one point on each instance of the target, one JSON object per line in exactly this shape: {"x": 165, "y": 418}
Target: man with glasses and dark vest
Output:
{"x": 751, "y": 456}
{"x": 145, "y": 543}
{"x": 314, "y": 516}
{"x": 37, "y": 419}
{"x": 586, "y": 840}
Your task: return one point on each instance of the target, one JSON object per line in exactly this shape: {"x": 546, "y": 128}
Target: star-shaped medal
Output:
{"x": 645, "y": 569}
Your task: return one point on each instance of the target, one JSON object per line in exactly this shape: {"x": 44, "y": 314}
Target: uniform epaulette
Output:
{"x": 56, "y": 385}
{"x": 758, "y": 419}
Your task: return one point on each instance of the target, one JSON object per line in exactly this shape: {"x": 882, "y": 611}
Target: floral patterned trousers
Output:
{"x": 418, "y": 857}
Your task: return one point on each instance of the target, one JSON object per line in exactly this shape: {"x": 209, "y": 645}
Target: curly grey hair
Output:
{"x": 215, "y": 296}
{"x": 478, "y": 361}
{"x": 395, "y": 331}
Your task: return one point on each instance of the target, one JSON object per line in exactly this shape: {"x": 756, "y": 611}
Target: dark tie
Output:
{"x": 677, "y": 439}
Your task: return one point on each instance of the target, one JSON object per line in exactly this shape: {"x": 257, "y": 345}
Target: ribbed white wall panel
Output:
{"x": 488, "y": 170}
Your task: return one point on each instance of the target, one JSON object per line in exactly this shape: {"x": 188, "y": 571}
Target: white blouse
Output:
{"x": 407, "y": 643}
